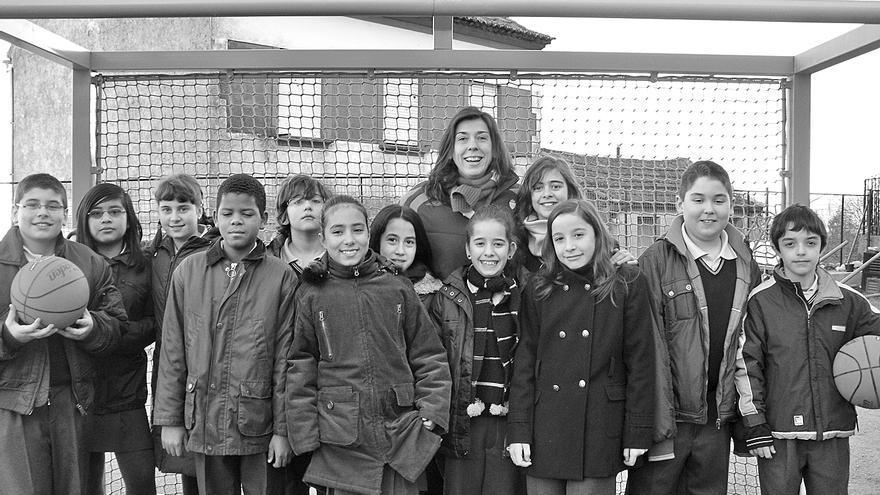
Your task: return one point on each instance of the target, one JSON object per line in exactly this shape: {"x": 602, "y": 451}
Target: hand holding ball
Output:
{"x": 51, "y": 289}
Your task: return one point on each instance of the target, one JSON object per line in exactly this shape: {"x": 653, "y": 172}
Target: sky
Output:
{"x": 845, "y": 143}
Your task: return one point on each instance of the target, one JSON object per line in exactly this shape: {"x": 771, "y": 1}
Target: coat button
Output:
{"x": 585, "y": 333}
{"x": 556, "y": 388}
{"x": 562, "y": 334}
{"x": 565, "y": 287}
{"x": 586, "y": 286}
{"x": 330, "y": 405}
{"x": 582, "y": 384}
{"x": 191, "y": 386}
{"x": 213, "y": 386}
{"x": 219, "y": 325}
{"x": 671, "y": 293}
{"x": 687, "y": 287}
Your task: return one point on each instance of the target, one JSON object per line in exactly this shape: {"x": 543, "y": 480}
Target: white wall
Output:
{"x": 328, "y": 33}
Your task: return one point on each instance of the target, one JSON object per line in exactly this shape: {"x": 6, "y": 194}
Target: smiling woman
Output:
{"x": 473, "y": 169}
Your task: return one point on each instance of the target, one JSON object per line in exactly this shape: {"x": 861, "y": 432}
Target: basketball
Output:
{"x": 857, "y": 371}
{"x": 53, "y": 289}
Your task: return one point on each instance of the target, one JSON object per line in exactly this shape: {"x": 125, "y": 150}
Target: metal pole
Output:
{"x": 842, "y": 225}
{"x": 799, "y": 149}
{"x": 860, "y": 269}
{"x": 81, "y": 157}
{"x": 842, "y": 11}
{"x": 832, "y": 251}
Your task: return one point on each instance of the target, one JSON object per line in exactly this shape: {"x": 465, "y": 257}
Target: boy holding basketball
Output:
{"x": 798, "y": 424}
{"x": 41, "y": 365}
{"x": 699, "y": 275}
{"x": 222, "y": 368}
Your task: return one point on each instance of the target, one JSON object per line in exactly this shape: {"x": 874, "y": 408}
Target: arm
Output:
{"x": 638, "y": 357}
{"x": 651, "y": 264}
{"x": 427, "y": 359}
{"x": 301, "y": 387}
{"x": 522, "y": 383}
{"x": 106, "y": 310}
{"x": 749, "y": 380}
{"x": 171, "y": 386}
{"x": 283, "y": 337}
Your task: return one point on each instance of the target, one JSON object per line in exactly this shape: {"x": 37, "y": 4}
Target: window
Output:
{"x": 401, "y": 112}
{"x": 299, "y": 107}
{"x": 485, "y": 97}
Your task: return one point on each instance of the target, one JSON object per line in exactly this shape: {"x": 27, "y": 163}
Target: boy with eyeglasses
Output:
{"x": 45, "y": 372}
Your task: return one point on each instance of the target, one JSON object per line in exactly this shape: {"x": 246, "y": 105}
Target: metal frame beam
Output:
{"x": 80, "y": 135}
{"x": 845, "y": 11}
{"x": 35, "y": 39}
{"x": 476, "y": 60}
{"x": 798, "y": 173}
{"x": 442, "y": 32}
{"x": 849, "y": 45}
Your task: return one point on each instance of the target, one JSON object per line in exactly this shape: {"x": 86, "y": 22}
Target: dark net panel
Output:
{"x": 375, "y": 135}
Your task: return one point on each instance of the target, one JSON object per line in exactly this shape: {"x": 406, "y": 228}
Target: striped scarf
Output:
{"x": 495, "y": 337}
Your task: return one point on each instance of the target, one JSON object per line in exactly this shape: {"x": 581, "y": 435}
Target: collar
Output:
{"x": 824, "y": 287}
{"x": 712, "y": 262}
{"x": 12, "y": 247}
{"x": 216, "y": 253}
{"x": 286, "y": 254}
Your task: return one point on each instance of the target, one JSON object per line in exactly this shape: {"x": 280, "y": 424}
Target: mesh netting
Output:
{"x": 374, "y": 135}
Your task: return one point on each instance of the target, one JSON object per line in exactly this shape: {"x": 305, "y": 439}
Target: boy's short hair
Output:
{"x": 40, "y": 181}
{"x": 704, "y": 168}
{"x": 243, "y": 184}
{"x": 800, "y": 217}
{"x": 292, "y": 187}
{"x": 179, "y": 187}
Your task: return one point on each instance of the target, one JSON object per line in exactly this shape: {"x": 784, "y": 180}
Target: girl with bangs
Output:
{"x": 107, "y": 222}
{"x": 581, "y": 400}
{"x": 547, "y": 182}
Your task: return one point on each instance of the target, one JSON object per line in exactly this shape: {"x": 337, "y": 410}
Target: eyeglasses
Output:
{"x": 35, "y": 206}
{"x": 98, "y": 213}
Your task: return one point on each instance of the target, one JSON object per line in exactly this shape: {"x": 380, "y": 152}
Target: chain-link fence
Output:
{"x": 374, "y": 135}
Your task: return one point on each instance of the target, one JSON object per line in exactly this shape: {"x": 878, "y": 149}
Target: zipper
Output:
{"x": 325, "y": 335}
{"x": 400, "y": 326}
{"x": 357, "y": 272}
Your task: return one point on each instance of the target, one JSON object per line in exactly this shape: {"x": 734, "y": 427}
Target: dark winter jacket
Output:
{"x": 164, "y": 260}
{"x": 452, "y": 312}
{"x": 786, "y": 351}
{"x": 365, "y": 367}
{"x": 446, "y": 228}
{"x": 683, "y": 342}
{"x": 121, "y": 383}
{"x": 583, "y": 378}
{"x": 224, "y": 348}
{"x": 24, "y": 368}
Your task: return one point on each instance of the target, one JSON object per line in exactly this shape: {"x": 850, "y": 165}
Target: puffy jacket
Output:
{"x": 786, "y": 350}
{"x": 224, "y": 347}
{"x": 583, "y": 376}
{"x": 446, "y": 228}
{"x": 683, "y": 320}
{"x": 365, "y": 366}
{"x": 164, "y": 260}
{"x": 121, "y": 382}
{"x": 24, "y": 368}
{"x": 453, "y": 313}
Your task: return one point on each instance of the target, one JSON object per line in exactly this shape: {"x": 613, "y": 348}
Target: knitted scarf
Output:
{"x": 495, "y": 337}
{"x": 537, "y": 229}
{"x": 472, "y": 193}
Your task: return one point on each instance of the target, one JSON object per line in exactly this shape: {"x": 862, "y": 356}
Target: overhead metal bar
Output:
{"x": 846, "y": 46}
{"x": 477, "y": 60}
{"x": 833, "y": 11}
{"x": 35, "y": 39}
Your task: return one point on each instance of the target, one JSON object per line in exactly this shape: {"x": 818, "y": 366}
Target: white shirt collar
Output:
{"x": 713, "y": 263}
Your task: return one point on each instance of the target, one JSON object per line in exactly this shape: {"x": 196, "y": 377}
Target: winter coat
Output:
{"x": 121, "y": 382}
{"x": 583, "y": 378}
{"x": 786, "y": 351}
{"x": 164, "y": 260}
{"x": 453, "y": 314}
{"x": 365, "y": 367}
{"x": 24, "y": 368}
{"x": 446, "y": 228}
{"x": 223, "y": 363}
{"x": 676, "y": 291}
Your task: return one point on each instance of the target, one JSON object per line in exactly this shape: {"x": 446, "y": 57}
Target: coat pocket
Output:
{"x": 404, "y": 395}
{"x": 615, "y": 409}
{"x": 189, "y": 404}
{"x": 255, "y": 408}
{"x": 679, "y": 301}
{"x": 338, "y": 415}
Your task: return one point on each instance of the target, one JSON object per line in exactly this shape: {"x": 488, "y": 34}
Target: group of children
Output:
{"x": 333, "y": 357}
